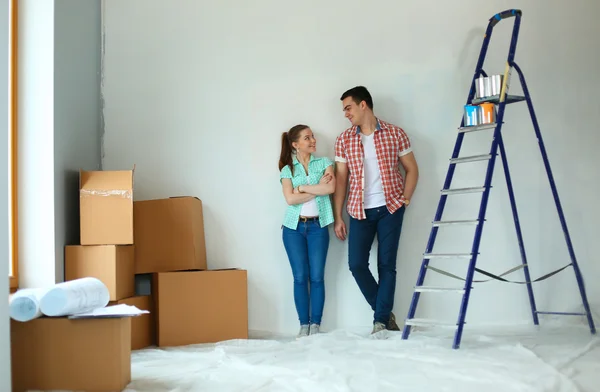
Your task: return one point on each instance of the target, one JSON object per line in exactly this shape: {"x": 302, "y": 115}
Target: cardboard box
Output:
{"x": 106, "y": 207}
{"x": 76, "y": 355}
{"x": 169, "y": 235}
{"x": 200, "y": 306}
{"x": 114, "y": 265}
{"x": 143, "y": 328}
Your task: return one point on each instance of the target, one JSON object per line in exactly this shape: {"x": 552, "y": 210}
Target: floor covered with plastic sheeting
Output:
{"x": 511, "y": 358}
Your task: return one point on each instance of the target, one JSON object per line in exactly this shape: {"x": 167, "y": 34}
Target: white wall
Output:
{"x": 59, "y": 108}
{"x": 36, "y": 143}
{"x": 5, "y": 376}
{"x": 197, "y": 95}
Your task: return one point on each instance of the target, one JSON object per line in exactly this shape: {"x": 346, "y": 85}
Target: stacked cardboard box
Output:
{"x": 92, "y": 354}
{"x": 106, "y": 250}
{"x": 191, "y": 303}
{"x": 162, "y": 240}
{"x": 121, "y": 240}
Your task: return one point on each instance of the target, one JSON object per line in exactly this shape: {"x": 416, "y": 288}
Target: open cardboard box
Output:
{"x": 106, "y": 207}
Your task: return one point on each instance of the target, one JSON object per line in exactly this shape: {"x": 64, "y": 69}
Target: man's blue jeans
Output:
{"x": 360, "y": 239}
{"x": 307, "y": 248}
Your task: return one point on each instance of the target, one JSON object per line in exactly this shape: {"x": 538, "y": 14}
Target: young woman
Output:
{"x": 307, "y": 182}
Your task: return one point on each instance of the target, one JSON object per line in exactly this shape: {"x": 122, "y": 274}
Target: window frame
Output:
{"x": 13, "y": 127}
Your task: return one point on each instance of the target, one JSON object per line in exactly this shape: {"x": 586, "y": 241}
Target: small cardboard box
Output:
{"x": 76, "y": 355}
{"x": 169, "y": 235}
{"x": 106, "y": 207}
{"x": 194, "y": 307}
{"x": 114, "y": 265}
{"x": 143, "y": 328}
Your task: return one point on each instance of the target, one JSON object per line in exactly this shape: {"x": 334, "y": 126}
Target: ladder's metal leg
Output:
{"x": 488, "y": 182}
{"x": 513, "y": 206}
{"x": 561, "y": 215}
{"x": 449, "y": 175}
{"x": 477, "y": 239}
{"x": 430, "y": 243}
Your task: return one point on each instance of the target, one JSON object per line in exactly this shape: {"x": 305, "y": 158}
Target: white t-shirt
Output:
{"x": 374, "y": 196}
{"x": 310, "y": 207}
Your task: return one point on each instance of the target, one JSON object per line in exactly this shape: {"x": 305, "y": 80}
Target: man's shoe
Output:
{"x": 378, "y": 327}
{"x": 392, "y": 326}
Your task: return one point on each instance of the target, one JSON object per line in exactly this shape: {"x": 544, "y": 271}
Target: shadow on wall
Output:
{"x": 417, "y": 222}
{"x": 67, "y": 223}
{"x": 71, "y": 210}
{"x": 219, "y": 242}
{"x": 215, "y": 233}
{"x": 337, "y": 278}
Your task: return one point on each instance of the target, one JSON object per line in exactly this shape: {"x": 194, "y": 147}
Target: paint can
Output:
{"x": 495, "y": 84}
{"x": 487, "y": 113}
{"x": 480, "y": 87}
{"x": 487, "y": 87}
{"x": 471, "y": 116}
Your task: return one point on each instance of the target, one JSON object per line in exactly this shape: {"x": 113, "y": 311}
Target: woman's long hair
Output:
{"x": 287, "y": 138}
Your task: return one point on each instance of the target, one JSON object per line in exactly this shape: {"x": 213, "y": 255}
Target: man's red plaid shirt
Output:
{"x": 391, "y": 142}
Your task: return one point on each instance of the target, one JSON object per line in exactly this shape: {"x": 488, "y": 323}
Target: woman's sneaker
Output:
{"x": 314, "y": 329}
{"x": 303, "y": 331}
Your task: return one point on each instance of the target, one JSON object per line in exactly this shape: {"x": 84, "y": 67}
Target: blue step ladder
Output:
{"x": 500, "y": 101}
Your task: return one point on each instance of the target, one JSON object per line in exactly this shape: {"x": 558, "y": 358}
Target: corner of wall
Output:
{"x": 101, "y": 126}
{"x": 77, "y": 55}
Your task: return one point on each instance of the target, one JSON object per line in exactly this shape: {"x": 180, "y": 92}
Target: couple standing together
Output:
{"x": 368, "y": 154}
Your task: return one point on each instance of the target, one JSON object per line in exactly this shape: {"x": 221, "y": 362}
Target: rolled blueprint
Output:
{"x": 75, "y": 296}
{"x": 24, "y": 305}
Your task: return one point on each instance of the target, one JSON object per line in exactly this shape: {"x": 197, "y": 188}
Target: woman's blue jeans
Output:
{"x": 307, "y": 248}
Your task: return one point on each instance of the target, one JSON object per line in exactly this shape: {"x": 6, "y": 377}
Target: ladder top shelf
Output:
{"x": 496, "y": 99}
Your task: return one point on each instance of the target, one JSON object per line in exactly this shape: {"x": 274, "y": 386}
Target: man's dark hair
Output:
{"x": 359, "y": 94}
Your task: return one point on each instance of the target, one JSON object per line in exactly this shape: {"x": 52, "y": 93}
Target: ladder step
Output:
{"x": 455, "y": 223}
{"x": 474, "y": 158}
{"x": 447, "y": 255}
{"x": 434, "y": 289}
{"x": 475, "y": 128}
{"x": 459, "y": 191}
{"x": 563, "y": 313}
{"x": 496, "y": 99}
{"x": 429, "y": 322}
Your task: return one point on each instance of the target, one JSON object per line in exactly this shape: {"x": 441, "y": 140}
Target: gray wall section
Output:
{"x": 76, "y": 112}
{"x": 5, "y": 383}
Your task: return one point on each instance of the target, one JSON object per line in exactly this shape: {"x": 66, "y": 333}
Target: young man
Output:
{"x": 369, "y": 153}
